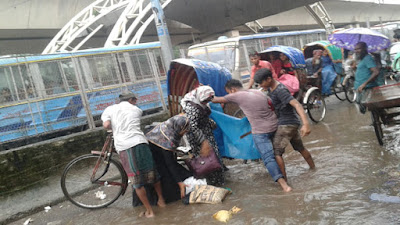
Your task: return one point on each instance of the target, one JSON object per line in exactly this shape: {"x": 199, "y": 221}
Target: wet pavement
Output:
{"x": 351, "y": 167}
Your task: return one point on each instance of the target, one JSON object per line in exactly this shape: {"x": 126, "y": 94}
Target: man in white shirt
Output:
{"x": 133, "y": 148}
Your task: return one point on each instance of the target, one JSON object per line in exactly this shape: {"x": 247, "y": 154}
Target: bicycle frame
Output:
{"x": 105, "y": 155}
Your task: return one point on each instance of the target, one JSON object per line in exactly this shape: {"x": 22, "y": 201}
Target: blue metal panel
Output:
{"x": 29, "y": 119}
{"x": 27, "y": 59}
{"x": 281, "y": 34}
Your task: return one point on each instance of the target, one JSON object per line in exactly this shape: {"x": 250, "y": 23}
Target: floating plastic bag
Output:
{"x": 191, "y": 182}
{"x": 225, "y": 215}
{"x": 384, "y": 198}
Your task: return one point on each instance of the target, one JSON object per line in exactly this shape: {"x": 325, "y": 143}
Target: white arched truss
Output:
{"x": 80, "y": 24}
{"x": 134, "y": 19}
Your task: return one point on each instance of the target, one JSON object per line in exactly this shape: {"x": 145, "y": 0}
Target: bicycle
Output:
{"x": 349, "y": 90}
{"x": 338, "y": 89}
{"x": 95, "y": 180}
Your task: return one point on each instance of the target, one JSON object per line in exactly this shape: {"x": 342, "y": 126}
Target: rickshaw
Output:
{"x": 335, "y": 53}
{"x": 233, "y": 134}
{"x": 309, "y": 94}
{"x": 384, "y": 103}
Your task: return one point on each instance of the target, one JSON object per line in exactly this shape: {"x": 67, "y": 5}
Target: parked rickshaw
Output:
{"x": 384, "y": 103}
{"x": 309, "y": 94}
{"x": 233, "y": 134}
{"x": 335, "y": 53}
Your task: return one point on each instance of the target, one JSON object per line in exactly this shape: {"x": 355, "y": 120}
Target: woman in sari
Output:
{"x": 328, "y": 73}
{"x": 163, "y": 140}
{"x": 287, "y": 66}
{"x": 200, "y": 135}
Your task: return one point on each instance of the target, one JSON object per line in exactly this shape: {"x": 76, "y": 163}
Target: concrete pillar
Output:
{"x": 231, "y": 33}
{"x": 162, "y": 32}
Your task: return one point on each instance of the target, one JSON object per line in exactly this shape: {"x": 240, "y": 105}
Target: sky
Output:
{"x": 397, "y": 2}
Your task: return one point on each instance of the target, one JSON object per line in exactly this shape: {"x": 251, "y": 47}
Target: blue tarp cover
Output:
{"x": 208, "y": 73}
{"x": 228, "y": 135}
{"x": 294, "y": 54}
{"x": 229, "y": 128}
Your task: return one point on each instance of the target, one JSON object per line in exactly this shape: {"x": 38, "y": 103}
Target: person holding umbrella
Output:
{"x": 366, "y": 73}
{"x": 362, "y": 41}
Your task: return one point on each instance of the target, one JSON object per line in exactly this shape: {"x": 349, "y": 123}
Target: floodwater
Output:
{"x": 351, "y": 167}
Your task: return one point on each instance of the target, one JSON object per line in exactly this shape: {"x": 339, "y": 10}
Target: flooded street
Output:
{"x": 350, "y": 167}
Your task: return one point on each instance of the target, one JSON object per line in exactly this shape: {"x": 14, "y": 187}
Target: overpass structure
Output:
{"x": 28, "y": 27}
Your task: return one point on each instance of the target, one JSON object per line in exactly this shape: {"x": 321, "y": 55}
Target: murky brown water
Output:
{"x": 350, "y": 167}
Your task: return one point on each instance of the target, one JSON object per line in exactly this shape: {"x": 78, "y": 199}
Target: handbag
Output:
{"x": 201, "y": 166}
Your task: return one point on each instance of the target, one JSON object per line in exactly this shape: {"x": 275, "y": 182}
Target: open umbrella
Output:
{"x": 348, "y": 39}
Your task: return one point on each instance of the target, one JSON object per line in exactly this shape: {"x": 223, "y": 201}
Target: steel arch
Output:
{"x": 80, "y": 23}
{"x": 135, "y": 18}
{"x": 135, "y": 11}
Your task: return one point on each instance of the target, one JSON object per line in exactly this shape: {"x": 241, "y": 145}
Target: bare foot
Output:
{"x": 287, "y": 189}
{"x": 284, "y": 185}
{"x": 161, "y": 203}
{"x": 146, "y": 214}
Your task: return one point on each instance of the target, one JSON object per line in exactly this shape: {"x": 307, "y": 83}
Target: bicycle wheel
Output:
{"x": 316, "y": 107}
{"x": 376, "y": 122}
{"x": 109, "y": 183}
{"x": 349, "y": 90}
{"x": 338, "y": 89}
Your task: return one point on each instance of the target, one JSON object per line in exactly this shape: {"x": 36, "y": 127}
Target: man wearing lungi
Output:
{"x": 132, "y": 146}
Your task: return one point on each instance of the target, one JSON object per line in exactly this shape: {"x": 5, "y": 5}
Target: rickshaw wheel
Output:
{"x": 376, "y": 122}
{"x": 316, "y": 107}
{"x": 338, "y": 89}
{"x": 349, "y": 90}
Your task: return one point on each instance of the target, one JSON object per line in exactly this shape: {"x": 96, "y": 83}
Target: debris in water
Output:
{"x": 28, "y": 221}
{"x": 225, "y": 215}
{"x": 100, "y": 195}
{"x": 47, "y": 208}
{"x": 384, "y": 198}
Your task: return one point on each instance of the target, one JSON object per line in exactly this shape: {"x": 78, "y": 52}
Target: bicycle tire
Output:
{"x": 349, "y": 90}
{"x": 338, "y": 89}
{"x": 316, "y": 107}
{"x": 376, "y": 122}
{"x": 78, "y": 188}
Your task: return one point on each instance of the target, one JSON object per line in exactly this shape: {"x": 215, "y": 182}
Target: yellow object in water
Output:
{"x": 225, "y": 215}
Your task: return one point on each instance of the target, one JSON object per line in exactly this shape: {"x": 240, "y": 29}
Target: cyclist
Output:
{"x": 132, "y": 146}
